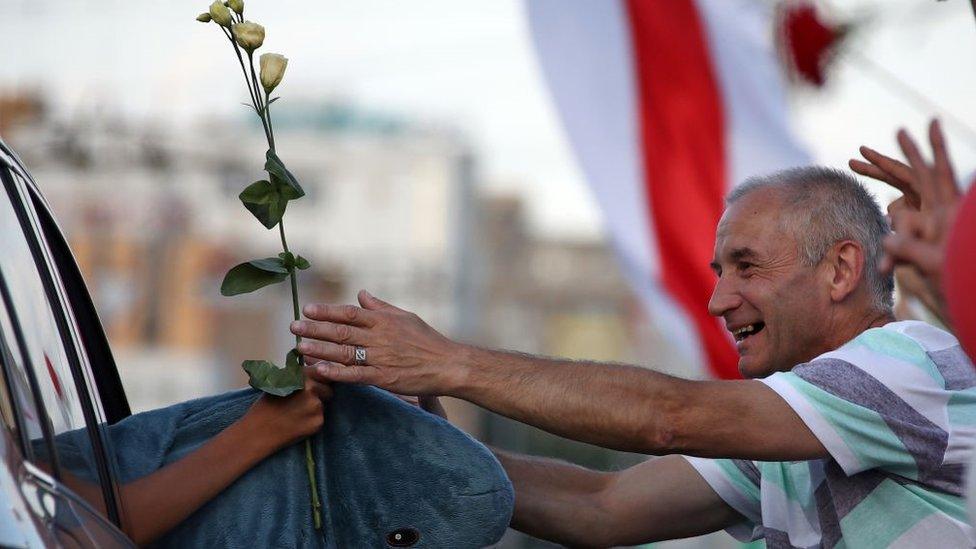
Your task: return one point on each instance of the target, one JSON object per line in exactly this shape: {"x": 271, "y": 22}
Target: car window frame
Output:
{"x": 69, "y": 340}
{"x": 101, "y": 362}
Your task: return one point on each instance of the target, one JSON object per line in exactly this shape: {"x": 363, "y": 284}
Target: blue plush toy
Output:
{"x": 389, "y": 474}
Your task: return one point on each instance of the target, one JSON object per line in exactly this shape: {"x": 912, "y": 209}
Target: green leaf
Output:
{"x": 265, "y": 201}
{"x": 253, "y": 275}
{"x": 290, "y": 186}
{"x": 301, "y": 263}
{"x": 287, "y": 259}
{"x": 268, "y": 377}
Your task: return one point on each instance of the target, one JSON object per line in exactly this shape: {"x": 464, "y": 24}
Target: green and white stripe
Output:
{"x": 896, "y": 409}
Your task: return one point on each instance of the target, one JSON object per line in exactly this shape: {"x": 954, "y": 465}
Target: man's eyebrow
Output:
{"x": 739, "y": 254}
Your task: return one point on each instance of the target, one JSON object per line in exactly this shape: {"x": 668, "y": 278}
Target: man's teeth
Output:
{"x": 745, "y": 331}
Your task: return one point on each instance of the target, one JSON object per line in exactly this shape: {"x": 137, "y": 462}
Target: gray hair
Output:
{"x": 829, "y": 206}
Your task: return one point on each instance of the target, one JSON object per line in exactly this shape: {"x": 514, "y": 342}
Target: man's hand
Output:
{"x": 403, "y": 354}
{"x": 922, "y": 217}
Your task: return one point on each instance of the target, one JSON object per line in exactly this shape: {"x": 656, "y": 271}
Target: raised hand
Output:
{"x": 922, "y": 217}
{"x": 397, "y": 350}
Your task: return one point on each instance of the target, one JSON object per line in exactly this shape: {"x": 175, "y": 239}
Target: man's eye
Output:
{"x": 744, "y": 265}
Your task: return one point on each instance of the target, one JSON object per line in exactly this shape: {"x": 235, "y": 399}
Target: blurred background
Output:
{"x": 437, "y": 170}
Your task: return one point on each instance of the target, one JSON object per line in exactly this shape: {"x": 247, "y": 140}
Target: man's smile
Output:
{"x": 747, "y": 330}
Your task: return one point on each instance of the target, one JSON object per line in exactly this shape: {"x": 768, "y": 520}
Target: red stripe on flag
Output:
{"x": 683, "y": 133}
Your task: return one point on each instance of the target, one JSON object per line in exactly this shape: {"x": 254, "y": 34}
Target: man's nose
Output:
{"x": 724, "y": 298}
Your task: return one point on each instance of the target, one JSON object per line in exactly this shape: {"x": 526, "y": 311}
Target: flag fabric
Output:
{"x": 666, "y": 105}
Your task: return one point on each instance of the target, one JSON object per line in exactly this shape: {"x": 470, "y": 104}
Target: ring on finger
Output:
{"x": 359, "y": 356}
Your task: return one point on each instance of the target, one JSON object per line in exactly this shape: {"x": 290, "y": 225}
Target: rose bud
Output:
{"x": 272, "y": 70}
{"x": 220, "y": 14}
{"x": 249, "y": 35}
{"x": 236, "y": 5}
{"x": 204, "y": 17}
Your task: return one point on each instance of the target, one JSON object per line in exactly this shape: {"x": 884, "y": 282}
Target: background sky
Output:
{"x": 460, "y": 63}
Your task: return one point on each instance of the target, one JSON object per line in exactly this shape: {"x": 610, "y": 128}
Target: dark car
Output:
{"x": 57, "y": 376}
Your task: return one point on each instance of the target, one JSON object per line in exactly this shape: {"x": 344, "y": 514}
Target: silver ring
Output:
{"x": 360, "y": 356}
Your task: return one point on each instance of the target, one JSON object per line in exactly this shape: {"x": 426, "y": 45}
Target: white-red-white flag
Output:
{"x": 667, "y": 104}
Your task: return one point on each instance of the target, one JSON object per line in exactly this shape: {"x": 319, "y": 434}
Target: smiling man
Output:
{"x": 851, "y": 429}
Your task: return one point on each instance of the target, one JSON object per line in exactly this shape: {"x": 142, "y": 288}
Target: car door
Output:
{"x": 50, "y": 380}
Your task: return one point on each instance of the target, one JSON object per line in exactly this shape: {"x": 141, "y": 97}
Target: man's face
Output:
{"x": 776, "y": 306}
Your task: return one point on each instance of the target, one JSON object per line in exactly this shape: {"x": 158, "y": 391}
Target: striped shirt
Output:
{"x": 896, "y": 409}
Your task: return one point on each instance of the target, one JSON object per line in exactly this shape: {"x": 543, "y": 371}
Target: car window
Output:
{"x": 10, "y": 407}
{"x": 10, "y": 412}
{"x": 45, "y": 355}
{"x": 16, "y": 526}
{"x": 108, "y": 395}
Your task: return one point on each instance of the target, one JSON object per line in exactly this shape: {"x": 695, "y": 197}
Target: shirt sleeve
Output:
{"x": 737, "y": 483}
{"x": 873, "y": 409}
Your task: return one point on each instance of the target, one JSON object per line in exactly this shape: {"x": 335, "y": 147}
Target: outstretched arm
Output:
{"x": 158, "y": 502}
{"x": 663, "y": 498}
{"x": 615, "y": 406}
{"x": 154, "y": 504}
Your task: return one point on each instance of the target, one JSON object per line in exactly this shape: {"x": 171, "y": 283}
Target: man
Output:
{"x": 855, "y": 434}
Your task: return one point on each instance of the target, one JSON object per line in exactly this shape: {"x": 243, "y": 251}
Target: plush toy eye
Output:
{"x": 404, "y": 537}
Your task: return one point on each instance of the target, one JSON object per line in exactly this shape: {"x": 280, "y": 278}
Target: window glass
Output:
{"x": 7, "y": 414}
{"x": 46, "y": 355}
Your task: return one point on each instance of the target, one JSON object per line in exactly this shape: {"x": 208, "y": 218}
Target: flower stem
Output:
{"x": 247, "y": 79}
{"x": 264, "y": 113}
{"x": 267, "y": 113}
{"x": 313, "y": 487}
{"x": 265, "y": 119}
{"x": 293, "y": 276}
{"x": 309, "y": 456}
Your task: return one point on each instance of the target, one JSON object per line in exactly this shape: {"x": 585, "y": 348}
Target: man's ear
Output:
{"x": 845, "y": 263}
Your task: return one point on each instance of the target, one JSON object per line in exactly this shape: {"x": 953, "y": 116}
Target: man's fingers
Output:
{"x": 904, "y": 223}
{"x": 343, "y": 314}
{"x": 330, "y": 371}
{"x": 325, "y": 350}
{"x": 313, "y": 371}
{"x": 906, "y": 249}
{"x": 923, "y": 175}
{"x": 888, "y": 170}
{"x": 908, "y": 222}
{"x": 373, "y": 303}
{"x": 868, "y": 169}
{"x": 945, "y": 179}
{"x": 330, "y": 331}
